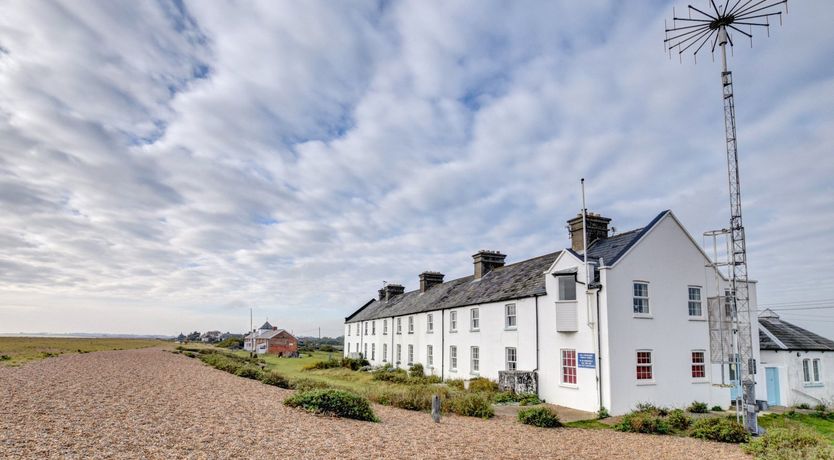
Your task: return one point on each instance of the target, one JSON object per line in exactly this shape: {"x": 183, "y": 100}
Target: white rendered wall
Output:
{"x": 670, "y": 262}
{"x": 792, "y": 387}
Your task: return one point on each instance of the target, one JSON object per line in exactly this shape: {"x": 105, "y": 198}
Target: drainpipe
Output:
{"x": 599, "y": 349}
{"x": 442, "y": 345}
{"x": 537, "y": 343}
{"x": 391, "y": 356}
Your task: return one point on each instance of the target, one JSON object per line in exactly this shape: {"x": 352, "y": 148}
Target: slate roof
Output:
{"x": 265, "y": 326}
{"x": 611, "y": 249}
{"x": 792, "y": 336}
{"x": 514, "y": 281}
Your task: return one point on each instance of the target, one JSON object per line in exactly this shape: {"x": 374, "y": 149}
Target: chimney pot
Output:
{"x": 597, "y": 230}
{"x": 429, "y": 279}
{"x": 392, "y": 290}
{"x": 485, "y": 261}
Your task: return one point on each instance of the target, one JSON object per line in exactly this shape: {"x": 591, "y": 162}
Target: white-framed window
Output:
{"x": 511, "y": 358}
{"x": 474, "y": 319}
{"x": 644, "y": 368}
{"x": 385, "y": 327}
{"x": 696, "y": 308}
{"x": 453, "y": 321}
{"x": 698, "y": 364}
{"x": 453, "y": 358}
{"x": 429, "y": 323}
{"x": 811, "y": 371}
{"x": 366, "y": 327}
{"x": 366, "y": 352}
{"x": 399, "y": 353}
{"x": 475, "y": 358}
{"x": 373, "y": 327}
{"x": 373, "y": 351}
{"x": 510, "y": 319}
{"x": 410, "y": 354}
{"x": 641, "y": 298}
{"x": 399, "y": 325}
{"x": 384, "y": 352}
{"x": 429, "y": 356}
{"x": 569, "y": 367}
{"x": 410, "y": 324}
{"x": 567, "y": 287}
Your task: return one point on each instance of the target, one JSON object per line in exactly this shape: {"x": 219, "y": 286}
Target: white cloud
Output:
{"x": 163, "y": 167}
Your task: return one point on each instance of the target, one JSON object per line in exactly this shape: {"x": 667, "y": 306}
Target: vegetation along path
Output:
{"x": 149, "y": 403}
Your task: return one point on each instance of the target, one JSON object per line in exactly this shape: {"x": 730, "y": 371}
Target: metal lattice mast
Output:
{"x": 715, "y": 27}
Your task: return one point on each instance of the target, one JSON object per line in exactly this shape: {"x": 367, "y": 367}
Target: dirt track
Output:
{"x": 153, "y": 404}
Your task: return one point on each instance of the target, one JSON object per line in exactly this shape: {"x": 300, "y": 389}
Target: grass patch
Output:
{"x": 542, "y": 417}
{"x": 791, "y": 443}
{"x": 822, "y": 424}
{"x": 589, "y": 425}
{"x": 21, "y": 350}
{"x": 336, "y": 403}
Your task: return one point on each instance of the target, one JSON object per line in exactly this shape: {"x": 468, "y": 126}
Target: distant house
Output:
{"x": 271, "y": 340}
{"x": 210, "y": 336}
{"x": 798, "y": 364}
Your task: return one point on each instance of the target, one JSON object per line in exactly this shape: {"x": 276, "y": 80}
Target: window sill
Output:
{"x": 646, "y": 383}
{"x": 430, "y": 332}
{"x": 697, "y": 318}
{"x": 643, "y": 316}
{"x": 699, "y": 381}
{"x": 453, "y": 332}
{"x": 475, "y": 374}
{"x": 572, "y": 386}
{"x": 474, "y": 330}
{"x": 513, "y": 328}
{"x": 410, "y": 333}
{"x": 565, "y": 301}
{"x": 813, "y": 385}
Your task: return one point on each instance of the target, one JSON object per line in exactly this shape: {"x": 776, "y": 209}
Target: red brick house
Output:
{"x": 271, "y": 340}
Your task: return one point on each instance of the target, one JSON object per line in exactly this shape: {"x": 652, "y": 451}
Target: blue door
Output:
{"x": 772, "y": 378}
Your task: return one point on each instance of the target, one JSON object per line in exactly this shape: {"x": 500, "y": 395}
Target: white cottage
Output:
{"x": 638, "y": 333}
{"x": 798, "y": 364}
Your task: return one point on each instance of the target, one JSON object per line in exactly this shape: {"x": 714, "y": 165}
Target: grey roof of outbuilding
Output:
{"x": 794, "y": 337}
{"x": 514, "y": 281}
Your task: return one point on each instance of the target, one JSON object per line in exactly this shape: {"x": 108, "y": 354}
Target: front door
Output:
{"x": 772, "y": 378}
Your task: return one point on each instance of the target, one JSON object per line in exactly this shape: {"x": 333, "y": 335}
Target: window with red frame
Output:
{"x": 699, "y": 368}
{"x": 644, "y": 365}
{"x": 569, "y": 366}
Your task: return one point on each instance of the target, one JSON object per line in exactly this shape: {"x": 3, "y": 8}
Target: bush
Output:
{"x": 231, "y": 342}
{"x": 329, "y": 364}
{"x": 250, "y": 372}
{"x": 820, "y": 408}
{"x": 483, "y": 384}
{"x": 275, "y": 379}
{"x": 388, "y": 373}
{"x": 336, "y": 403}
{"x": 602, "y": 413}
{"x": 504, "y": 397}
{"x": 722, "y": 429}
{"x": 717, "y": 409}
{"x": 528, "y": 399}
{"x": 416, "y": 370}
{"x": 190, "y": 354}
{"x": 472, "y": 405}
{"x": 455, "y": 383}
{"x": 698, "y": 408}
{"x": 354, "y": 364}
{"x": 643, "y": 422}
{"x": 307, "y": 385}
{"x": 679, "y": 420}
{"x": 415, "y": 397}
{"x": 652, "y": 409}
{"x": 805, "y": 406}
{"x": 788, "y": 444}
{"x": 542, "y": 417}
{"x": 5, "y": 357}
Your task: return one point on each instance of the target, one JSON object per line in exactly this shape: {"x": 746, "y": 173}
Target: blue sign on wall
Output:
{"x": 586, "y": 360}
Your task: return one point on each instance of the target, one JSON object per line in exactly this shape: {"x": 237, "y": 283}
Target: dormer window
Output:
{"x": 567, "y": 288}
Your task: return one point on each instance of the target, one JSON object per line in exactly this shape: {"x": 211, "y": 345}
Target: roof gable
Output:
{"x": 791, "y": 336}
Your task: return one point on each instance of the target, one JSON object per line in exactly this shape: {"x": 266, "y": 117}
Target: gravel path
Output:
{"x": 152, "y": 404}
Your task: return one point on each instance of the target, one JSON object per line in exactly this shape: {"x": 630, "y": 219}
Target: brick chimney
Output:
{"x": 381, "y": 294}
{"x": 597, "y": 229}
{"x": 429, "y": 279}
{"x": 485, "y": 261}
{"x": 392, "y": 290}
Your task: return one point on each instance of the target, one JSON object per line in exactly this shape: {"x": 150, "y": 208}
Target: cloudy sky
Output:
{"x": 166, "y": 165}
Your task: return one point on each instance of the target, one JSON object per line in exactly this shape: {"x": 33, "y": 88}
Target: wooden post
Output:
{"x": 435, "y": 408}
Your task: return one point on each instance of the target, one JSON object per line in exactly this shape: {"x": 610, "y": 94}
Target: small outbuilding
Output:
{"x": 271, "y": 340}
{"x": 798, "y": 364}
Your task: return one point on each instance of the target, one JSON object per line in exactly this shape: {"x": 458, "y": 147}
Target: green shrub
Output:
{"x": 354, "y": 364}
{"x": 698, "y": 408}
{"x": 722, "y": 429}
{"x": 805, "y": 406}
{"x": 190, "y": 354}
{"x": 528, "y": 399}
{"x": 820, "y": 408}
{"x": 504, "y": 397}
{"x": 5, "y": 357}
{"x": 602, "y": 413}
{"x": 789, "y": 444}
{"x": 643, "y": 422}
{"x": 433, "y": 379}
{"x": 472, "y": 405}
{"x": 336, "y": 403}
{"x": 483, "y": 384}
{"x": 275, "y": 379}
{"x": 250, "y": 372}
{"x": 231, "y": 342}
{"x": 413, "y": 397}
{"x": 455, "y": 383}
{"x": 303, "y": 384}
{"x": 652, "y": 409}
{"x": 542, "y": 417}
{"x": 329, "y": 364}
{"x": 416, "y": 371}
{"x": 678, "y": 419}
{"x": 717, "y": 409}
{"x": 390, "y": 374}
